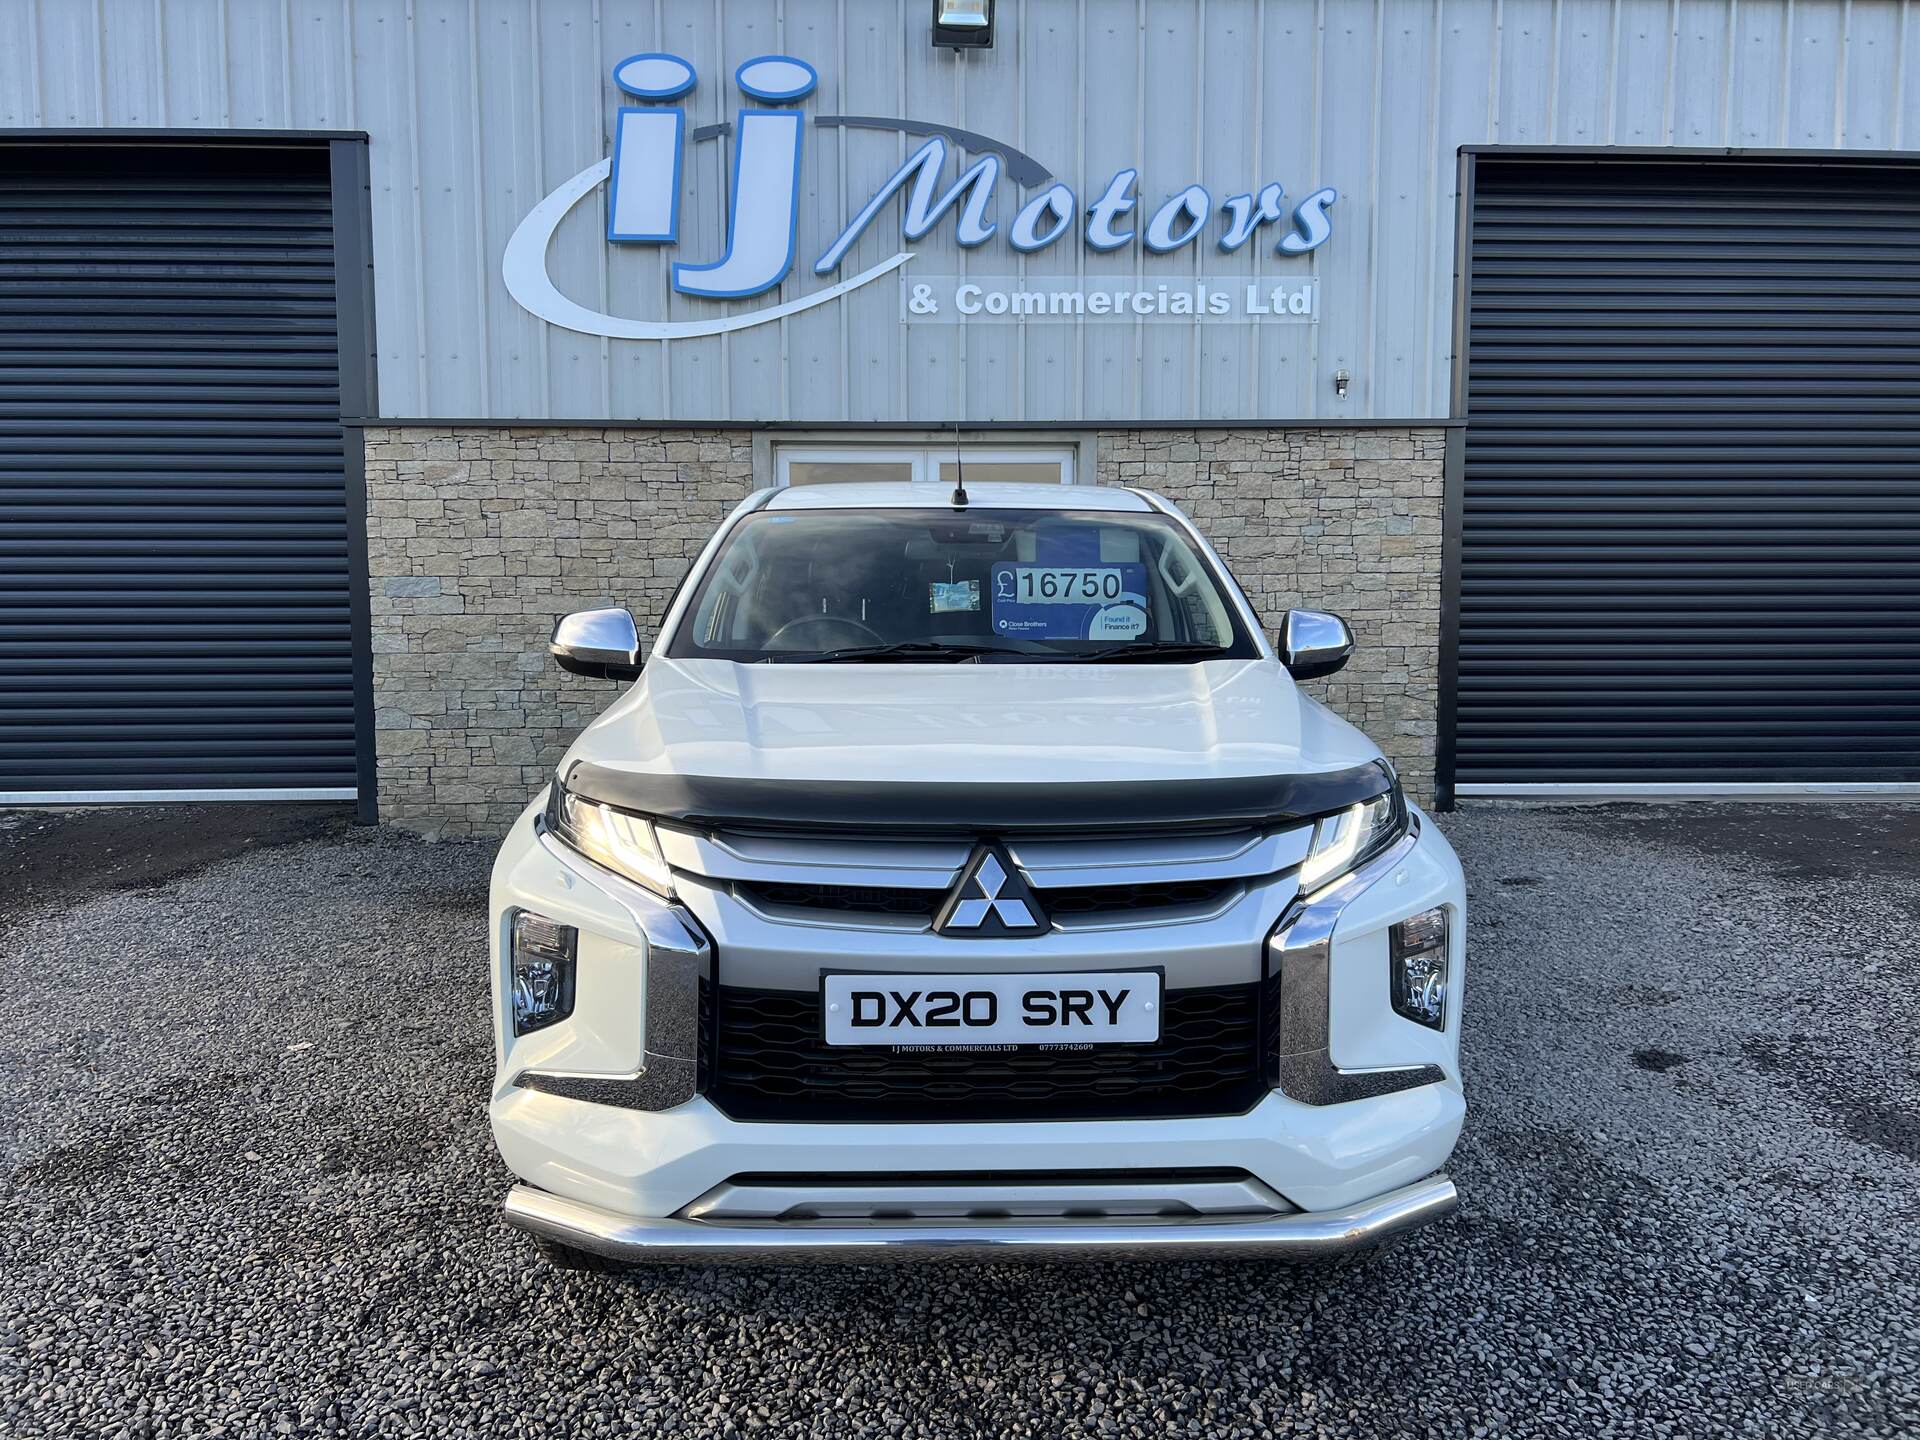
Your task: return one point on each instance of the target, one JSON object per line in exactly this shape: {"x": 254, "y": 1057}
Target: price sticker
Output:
{"x": 1070, "y": 602}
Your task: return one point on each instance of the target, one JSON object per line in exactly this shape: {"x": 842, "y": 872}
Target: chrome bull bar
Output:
{"x": 1299, "y": 1235}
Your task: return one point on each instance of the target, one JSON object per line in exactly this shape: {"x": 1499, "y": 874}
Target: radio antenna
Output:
{"x": 959, "y": 469}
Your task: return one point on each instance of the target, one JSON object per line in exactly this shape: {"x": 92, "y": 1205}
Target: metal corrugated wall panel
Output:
{"x": 1691, "y": 540}
{"x": 476, "y": 108}
{"x": 174, "y": 570}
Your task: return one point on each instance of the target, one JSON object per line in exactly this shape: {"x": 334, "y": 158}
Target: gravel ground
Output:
{"x": 249, "y": 1187}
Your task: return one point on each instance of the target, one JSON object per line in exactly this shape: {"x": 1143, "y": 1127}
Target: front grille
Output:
{"x": 845, "y": 899}
{"x": 1080, "y": 900}
{"x": 1069, "y": 902}
{"x": 769, "y": 1063}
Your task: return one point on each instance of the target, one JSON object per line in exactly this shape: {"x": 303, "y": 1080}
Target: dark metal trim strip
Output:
{"x": 885, "y": 427}
{"x": 148, "y": 135}
{"x": 1453, "y": 502}
{"x": 359, "y": 361}
{"x": 1642, "y": 153}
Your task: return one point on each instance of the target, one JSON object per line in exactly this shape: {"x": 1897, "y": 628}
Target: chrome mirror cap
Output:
{"x": 1314, "y": 643}
{"x": 600, "y": 644}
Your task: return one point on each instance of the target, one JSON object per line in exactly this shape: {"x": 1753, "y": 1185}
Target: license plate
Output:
{"x": 1069, "y": 1008}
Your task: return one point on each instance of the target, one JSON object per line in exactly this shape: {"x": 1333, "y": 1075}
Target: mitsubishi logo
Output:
{"x": 990, "y": 899}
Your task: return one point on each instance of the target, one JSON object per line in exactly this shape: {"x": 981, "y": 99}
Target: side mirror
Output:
{"x": 1314, "y": 643}
{"x": 600, "y": 644}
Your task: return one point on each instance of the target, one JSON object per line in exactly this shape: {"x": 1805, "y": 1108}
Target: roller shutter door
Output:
{"x": 1690, "y": 513}
{"x": 174, "y": 568}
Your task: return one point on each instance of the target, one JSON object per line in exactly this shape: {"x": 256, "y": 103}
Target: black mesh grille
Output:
{"x": 1132, "y": 899}
{"x": 770, "y": 1064}
{"x": 847, "y": 899}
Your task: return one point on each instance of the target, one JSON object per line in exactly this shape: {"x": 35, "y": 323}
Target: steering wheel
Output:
{"x": 860, "y": 632}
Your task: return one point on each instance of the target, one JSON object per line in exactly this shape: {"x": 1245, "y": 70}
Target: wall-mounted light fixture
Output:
{"x": 1341, "y": 379}
{"x": 963, "y": 24}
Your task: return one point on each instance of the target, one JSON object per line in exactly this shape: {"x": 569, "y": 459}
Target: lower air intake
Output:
{"x": 769, "y": 1063}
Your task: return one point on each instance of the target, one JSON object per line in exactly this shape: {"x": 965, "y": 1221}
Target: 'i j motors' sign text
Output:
{"x": 646, "y": 174}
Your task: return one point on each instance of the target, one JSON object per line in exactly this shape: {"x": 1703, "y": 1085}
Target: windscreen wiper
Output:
{"x": 902, "y": 650}
{"x": 1151, "y": 650}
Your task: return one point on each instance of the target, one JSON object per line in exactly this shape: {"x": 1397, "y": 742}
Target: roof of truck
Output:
{"x": 861, "y": 495}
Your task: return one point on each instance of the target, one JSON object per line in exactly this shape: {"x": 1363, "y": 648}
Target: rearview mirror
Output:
{"x": 600, "y": 644}
{"x": 1314, "y": 643}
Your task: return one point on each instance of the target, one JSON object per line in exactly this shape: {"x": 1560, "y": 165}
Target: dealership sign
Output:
{"x": 644, "y": 173}
{"x": 1029, "y": 299}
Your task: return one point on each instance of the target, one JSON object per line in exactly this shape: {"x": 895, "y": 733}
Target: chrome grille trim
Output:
{"x": 815, "y": 858}
{"x": 1147, "y": 919}
{"x": 1246, "y": 855}
{"x": 830, "y": 919}
{"x": 738, "y": 860}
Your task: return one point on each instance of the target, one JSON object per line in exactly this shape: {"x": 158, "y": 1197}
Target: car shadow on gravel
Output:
{"x": 65, "y": 855}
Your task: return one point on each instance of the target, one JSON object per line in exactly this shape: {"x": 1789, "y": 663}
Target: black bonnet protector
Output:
{"x": 922, "y": 809}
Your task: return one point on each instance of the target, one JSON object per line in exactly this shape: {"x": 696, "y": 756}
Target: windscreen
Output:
{"x": 996, "y": 586}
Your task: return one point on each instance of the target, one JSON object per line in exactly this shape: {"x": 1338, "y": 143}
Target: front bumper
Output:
{"x": 627, "y": 1162}
{"x": 1369, "y": 1104}
{"x": 1302, "y": 1235}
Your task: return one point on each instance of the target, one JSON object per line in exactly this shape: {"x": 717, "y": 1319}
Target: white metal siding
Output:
{"x": 477, "y": 108}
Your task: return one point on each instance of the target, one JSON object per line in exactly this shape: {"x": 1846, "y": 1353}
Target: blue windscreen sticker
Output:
{"x": 1065, "y": 601}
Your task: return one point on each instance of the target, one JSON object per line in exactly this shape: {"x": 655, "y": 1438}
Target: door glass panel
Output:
{"x": 821, "y": 472}
{"x": 1003, "y": 472}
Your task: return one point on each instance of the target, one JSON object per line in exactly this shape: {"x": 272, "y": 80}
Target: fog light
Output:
{"x": 1417, "y": 959}
{"x": 543, "y": 956}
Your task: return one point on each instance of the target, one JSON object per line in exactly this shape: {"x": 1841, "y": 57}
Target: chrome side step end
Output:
{"x": 1302, "y": 1235}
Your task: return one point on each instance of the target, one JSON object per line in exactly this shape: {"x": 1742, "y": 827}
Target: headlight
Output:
{"x": 618, "y": 839}
{"x": 1351, "y": 837}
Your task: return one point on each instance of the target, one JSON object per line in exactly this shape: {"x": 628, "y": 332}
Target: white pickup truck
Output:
{"x": 966, "y": 875}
